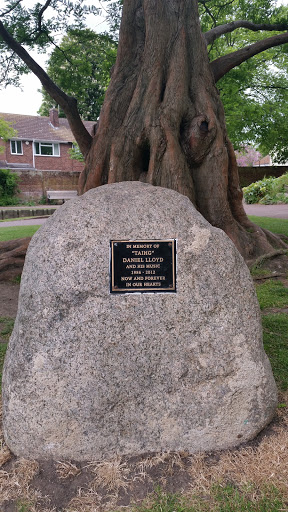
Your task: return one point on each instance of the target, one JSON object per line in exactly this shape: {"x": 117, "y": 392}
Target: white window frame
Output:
{"x": 43, "y": 144}
{"x": 16, "y": 142}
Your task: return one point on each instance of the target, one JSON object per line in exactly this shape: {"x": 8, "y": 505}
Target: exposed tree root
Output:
{"x": 264, "y": 257}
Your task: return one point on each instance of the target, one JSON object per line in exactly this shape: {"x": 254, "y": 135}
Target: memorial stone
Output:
{"x": 96, "y": 367}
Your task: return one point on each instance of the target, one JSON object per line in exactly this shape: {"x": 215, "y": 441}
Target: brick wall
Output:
{"x": 34, "y": 184}
{"x": 248, "y": 175}
{"x": 59, "y": 163}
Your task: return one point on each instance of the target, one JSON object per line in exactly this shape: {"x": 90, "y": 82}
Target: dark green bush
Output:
{"x": 8, "y": 187}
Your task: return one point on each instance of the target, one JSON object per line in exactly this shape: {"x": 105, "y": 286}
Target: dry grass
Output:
{"x": 67, "y": 470}
{"x": 263, "y": 465}
{"x": 250, "y": 469}
{"x": 111, "y": 475}
{"x": 5, "y": 453}
{"x": 15, "y": 484}
{"x": 171, "y": 460}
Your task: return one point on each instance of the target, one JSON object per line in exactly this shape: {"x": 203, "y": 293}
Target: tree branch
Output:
{"x": 41, "y": 12}
{"x": 216, "y": 32}
{"x": 222, "y": 65}
{"x": 208, "y": 11}
{"x": 67, "y": 103}
{"x": 4, "y": 13}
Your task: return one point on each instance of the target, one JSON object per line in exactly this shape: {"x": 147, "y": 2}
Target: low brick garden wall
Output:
{"x": 34, "y": 184}
{"x": 248, "y": 175}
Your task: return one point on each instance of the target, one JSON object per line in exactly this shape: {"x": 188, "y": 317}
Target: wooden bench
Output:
{"x": 61, "y": 194}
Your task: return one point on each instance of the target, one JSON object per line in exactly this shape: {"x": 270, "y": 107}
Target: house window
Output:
{"x": 16, "y": 147}
{"x": 46, "y": 149}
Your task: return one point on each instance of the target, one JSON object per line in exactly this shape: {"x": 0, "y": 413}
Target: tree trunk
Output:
{"x": 163, "y": 123}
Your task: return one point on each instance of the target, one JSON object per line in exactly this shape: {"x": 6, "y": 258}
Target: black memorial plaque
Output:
{"x": 143, "y": 266}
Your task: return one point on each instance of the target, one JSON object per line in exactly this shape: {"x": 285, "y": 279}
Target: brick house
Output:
{"x": 39, "y": 153}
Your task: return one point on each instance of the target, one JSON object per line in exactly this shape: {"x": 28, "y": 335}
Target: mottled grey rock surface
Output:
{"x": 89, "y": 374}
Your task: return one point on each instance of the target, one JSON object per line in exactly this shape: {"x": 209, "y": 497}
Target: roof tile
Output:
{"x": 40, "y": 128}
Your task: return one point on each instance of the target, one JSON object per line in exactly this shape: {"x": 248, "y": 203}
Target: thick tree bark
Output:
{"x": 162, "y": 121}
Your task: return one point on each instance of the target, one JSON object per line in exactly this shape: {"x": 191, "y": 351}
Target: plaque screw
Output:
{"x": 169, "y": 244}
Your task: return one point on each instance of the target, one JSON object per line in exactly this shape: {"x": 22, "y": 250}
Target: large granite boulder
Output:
{"x": 89, "y": 373}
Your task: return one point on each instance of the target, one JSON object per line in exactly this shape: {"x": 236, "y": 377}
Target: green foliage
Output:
{"x": 37, "y": 27}
{"x": 8, "y": 186}
{"x": 254, "y": 94}
{"x": 275, "y": 337}
{"x": 272, "y": 294}
{"x": 81, "y": 66}
{"x": 75, "y": 153}
{"x": 17, "y": 232}
{"x": 267, "y": 191}
{"x": 6, "y": 132}
{"x": 113, "y": 15}
{"x": 255, "y": 100}
{"x": 258, "y": 190}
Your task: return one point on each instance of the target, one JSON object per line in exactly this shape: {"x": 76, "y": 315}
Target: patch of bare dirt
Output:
{"x": 8, "y": 298}
{"x": 8, "y": 306}
{"x": 269, "y": 311}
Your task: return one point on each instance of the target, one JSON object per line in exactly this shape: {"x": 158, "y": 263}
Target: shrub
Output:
{"x": 267, "y": 191}
{"x": 75, "y": 153}
{"x": 8, "y": 187}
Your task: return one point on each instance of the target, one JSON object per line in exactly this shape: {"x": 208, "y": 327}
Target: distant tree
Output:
{"x": 81, "y": 66}
{"x": 6, "y": 132}
{"x": 247, "y": 156}
{"x": 75, "y": 153}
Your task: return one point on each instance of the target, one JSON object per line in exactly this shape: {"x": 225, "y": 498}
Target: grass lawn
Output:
{"x": 278, "y": 226}
{"x": 17, "y": 232}
{"x": 222, "y": 499}
{"x": 275, "y": 338}
{"x": 272, "y": 294}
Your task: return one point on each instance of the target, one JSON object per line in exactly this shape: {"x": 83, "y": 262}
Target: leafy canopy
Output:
{"x": 6, "y": 132}
{"x": 37, "y": 27}
{"x": 254, "y": 94}
{"x": 81, "y": 66}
